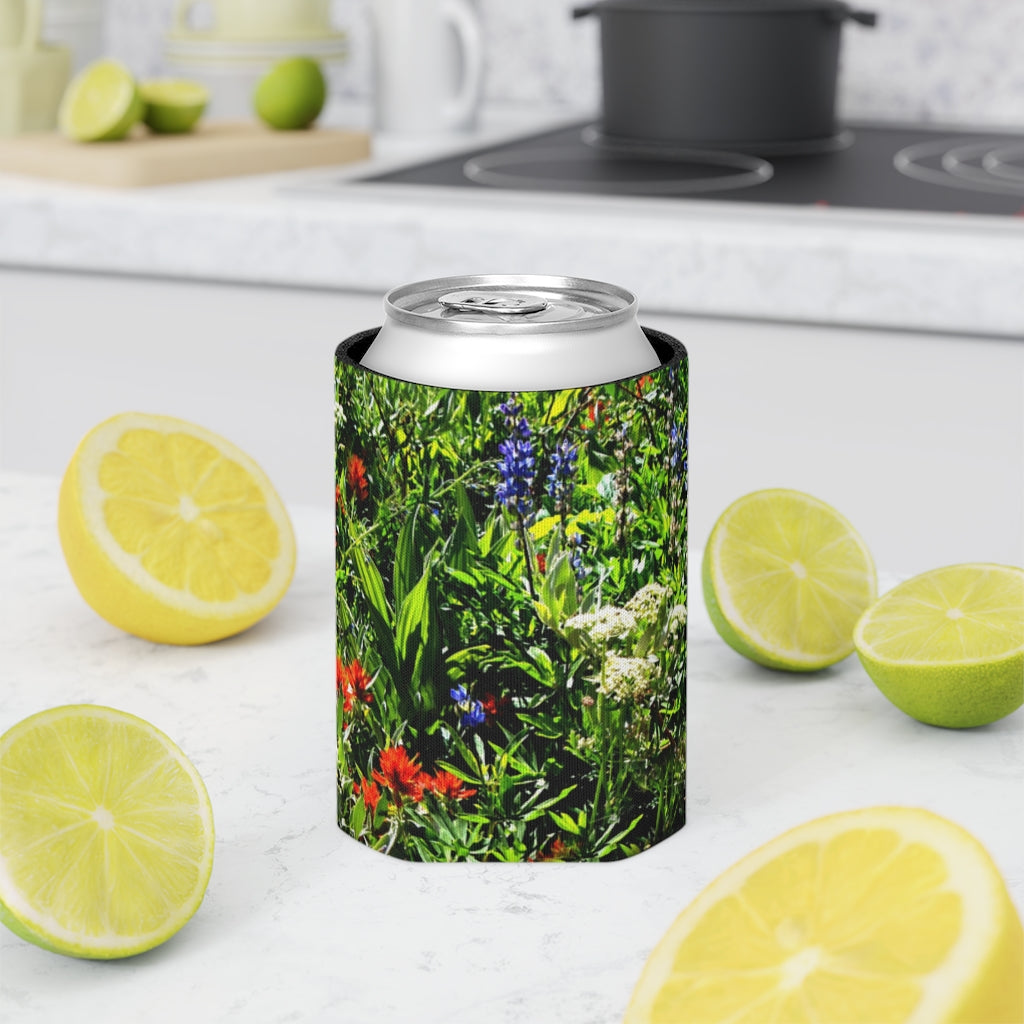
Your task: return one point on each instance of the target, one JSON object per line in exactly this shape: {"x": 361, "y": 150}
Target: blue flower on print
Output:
{"x": 517, "y": 466}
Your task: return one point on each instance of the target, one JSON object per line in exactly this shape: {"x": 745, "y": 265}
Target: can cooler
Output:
{"x": 511, "y": 611}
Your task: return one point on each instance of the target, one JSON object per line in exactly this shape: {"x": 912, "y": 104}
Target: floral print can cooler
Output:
{"x": 510, "y": 580}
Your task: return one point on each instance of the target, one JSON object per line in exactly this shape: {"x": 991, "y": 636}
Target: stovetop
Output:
{"x": 866, "y": 166}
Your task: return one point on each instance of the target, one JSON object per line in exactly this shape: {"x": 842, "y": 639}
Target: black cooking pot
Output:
{"x": 739, "y": 74}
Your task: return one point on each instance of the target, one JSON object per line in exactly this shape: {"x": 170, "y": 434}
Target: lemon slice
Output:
{"x": 106, "y": 844}
{"x": 947, "y": 647}
{"x": 102, "y": 103}
{"x": 887, "y": 915}
{"x": 171, "y": 532}
{"x": 173, "y": 106}
{"x": 785, "y": 579}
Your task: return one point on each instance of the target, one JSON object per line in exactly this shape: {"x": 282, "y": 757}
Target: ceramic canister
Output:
{"x": 511, "y": 458}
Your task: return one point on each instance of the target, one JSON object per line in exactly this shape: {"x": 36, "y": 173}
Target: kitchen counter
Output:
{"x": 928, "y": 272}
{"x": 302, "y": 924}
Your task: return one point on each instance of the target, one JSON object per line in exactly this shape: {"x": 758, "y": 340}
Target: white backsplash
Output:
{"x": 928, "y": 60}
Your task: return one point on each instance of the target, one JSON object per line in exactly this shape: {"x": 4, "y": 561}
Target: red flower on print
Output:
{"x": 493, "y": 706}
{"x": 556, "y": 851}
{"x": 642, "y": 383}
{"x": 354, "y": 685}
{"x": 367, "y": 789}
{"x": 542, "y": 563}
{"x": 445, "y": 784}
{"x": 355, "y": 476}
{"x": 401, "y": 774}
{"x": 594, "y": 410}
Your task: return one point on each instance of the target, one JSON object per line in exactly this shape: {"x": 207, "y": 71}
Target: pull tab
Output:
{"x": 487, "y": 302}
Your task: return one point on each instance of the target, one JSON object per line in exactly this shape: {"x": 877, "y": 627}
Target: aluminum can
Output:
{"x": 511, "y": 482}
{"x": 507, "y": 332}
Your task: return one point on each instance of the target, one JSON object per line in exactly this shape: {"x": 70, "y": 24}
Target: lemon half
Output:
{"x": 171, "y": 532}
{"x": 888, "y": 915}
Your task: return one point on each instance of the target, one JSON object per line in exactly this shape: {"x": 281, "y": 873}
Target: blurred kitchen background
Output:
{"x": 854, "y": 322}
{"x": 929, "y": 60}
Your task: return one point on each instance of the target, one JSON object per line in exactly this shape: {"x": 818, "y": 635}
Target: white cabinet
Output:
{"x": 918, "y": 440}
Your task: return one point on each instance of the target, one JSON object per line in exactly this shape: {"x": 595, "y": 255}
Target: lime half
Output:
{"x": 106, "y": 833}
{"x": 102, "y": 104}
{"x": 947, "y": 647}
{"x": 173, "y": 106}
{"x": 785, "y": 579}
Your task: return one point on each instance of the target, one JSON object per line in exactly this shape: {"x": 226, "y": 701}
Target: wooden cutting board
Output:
{"x": 216, "y": 150}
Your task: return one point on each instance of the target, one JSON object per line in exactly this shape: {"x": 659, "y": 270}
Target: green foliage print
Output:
{"x": 511, "y": 607}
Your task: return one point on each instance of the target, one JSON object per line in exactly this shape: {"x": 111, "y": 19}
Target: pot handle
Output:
{"x": 583, "y": 12}
{"x": 840, "y": 14}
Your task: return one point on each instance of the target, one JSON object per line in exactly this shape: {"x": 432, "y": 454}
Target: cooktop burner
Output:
{"x": 867, "y": 166}
{"x": 564, "y": 169}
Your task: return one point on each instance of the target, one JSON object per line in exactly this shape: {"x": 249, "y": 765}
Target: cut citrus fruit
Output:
{"x": 171, "y": 532}
{"x": 888, "y": 915}
{"x": 947, "y": 647}
{"x": 173, "y": 106}
{"x": 785, "y": 579}
{"x": 102, "y": 103}
{"x": 107, "y": 840}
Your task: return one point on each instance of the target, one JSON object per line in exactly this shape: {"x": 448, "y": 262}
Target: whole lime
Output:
{"x": 291, "y": 95}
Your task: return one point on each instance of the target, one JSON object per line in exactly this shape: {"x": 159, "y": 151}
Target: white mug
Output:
{"x": 413, "y": 58}
{"x": 21, "y": 24}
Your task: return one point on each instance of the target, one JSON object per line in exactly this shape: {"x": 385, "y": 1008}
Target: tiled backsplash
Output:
{"x": 928, "y": 60}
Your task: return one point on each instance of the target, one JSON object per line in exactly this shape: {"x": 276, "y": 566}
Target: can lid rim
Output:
{"x": 396, "y": 303}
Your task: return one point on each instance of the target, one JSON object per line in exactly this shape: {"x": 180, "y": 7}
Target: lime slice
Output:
{"x": 947, "y": 647}
{"x": 891, "y": 915}
{"x": 785, "y": 579}
{"x": 106, "y": 844}
{"x": 291, "y": 95}
{"x": 173, "y": 106}
{"x": 102, "y": 104}
{"x": 171, "y": 532}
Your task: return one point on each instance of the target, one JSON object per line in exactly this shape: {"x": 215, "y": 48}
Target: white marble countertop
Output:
{"x": 917, "y": 271}
{"x": 302, "y": 924}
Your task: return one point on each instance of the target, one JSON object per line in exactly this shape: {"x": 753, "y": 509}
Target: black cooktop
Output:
{"x": 866, "y": 166}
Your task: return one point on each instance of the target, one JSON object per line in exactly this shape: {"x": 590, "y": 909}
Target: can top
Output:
{"x": 510, "y": 304}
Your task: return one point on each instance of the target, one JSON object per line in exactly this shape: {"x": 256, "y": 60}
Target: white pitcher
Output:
{"x": 413, "y": 74}
{"x": 21, "y": 24}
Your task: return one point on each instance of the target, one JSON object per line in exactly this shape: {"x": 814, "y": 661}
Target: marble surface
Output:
{"x": 302, "y": 924}
{"x": 941, "y": 60}
{"x": 926, "y": 272}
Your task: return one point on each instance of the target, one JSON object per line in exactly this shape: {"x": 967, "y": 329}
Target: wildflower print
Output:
{"x": 648, "y": 601}
{"x": 400, "y": 774}
{"x": 511, "y": 605}
{"x": 493, "y": 707}
{"x": 354, "y": 685}
{"x": 444, "y": 784}
{"x": 368, "y": 790}
{"x": 473, "y": 713}
{"x": 628, "y": 678}
{"x": 518, "y": 465}
{"x": 355, "y": 477}
{"x": 604, "y": 624}
{"x": 563, "y": 469}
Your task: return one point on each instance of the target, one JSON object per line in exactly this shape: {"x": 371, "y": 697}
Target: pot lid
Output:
{"x": 717, "y": 6}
